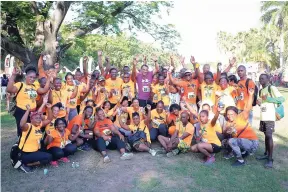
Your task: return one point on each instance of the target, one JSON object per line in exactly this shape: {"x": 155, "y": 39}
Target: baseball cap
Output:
{"x": 101, "y": 78}
{"x": 188, "y": 71}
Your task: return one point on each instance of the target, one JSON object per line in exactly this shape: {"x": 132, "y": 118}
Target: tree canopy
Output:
{"x": 30, "y": 28}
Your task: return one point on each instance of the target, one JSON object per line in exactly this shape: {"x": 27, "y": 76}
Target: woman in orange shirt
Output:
{"x": 59, "y": 142}
{"x": 210, "y": 144}
{"x": 173, "y": 117}
{"x": 107, "y": 136}
{"x": 244, "y": 137}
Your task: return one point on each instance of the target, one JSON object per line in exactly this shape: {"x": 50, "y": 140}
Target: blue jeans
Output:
{"x": 72, "y": 114}
{"x": 124, "y": 132}
{"x": 251, "y": 117}
{"x": 161, "y": 130}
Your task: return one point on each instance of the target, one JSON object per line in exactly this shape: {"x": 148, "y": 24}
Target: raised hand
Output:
{"x": 232, "y": 61}
{"x": 99, "y": 53}
{"x": 56, "y": 65}
{"x": 16, "y": 71}
{"x": 192, "y": 60}
{"x": 48, "y": 105}
{"x": 107, "y": 59}
{"x": 148, "y": 107}
{"x": 182, "y": 60}
{"x": 85, "y": 59}
{"x": 154, "y": 58}
{"x": 135, "y": 60}
{"x": 28, "y": 107}
{"x": 45, "y": 98}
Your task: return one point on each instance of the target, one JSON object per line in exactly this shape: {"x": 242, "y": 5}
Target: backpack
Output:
{"x": 12, "y": 104}
{"x": 255, "y": 92}
{"x": 16, "y": 153}
{"x": 279, "y": 110}
{"x": 138, "y": 135}
{"x": 4, "y": 82}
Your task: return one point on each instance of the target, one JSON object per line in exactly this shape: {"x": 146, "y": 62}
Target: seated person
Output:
{"x": 181, "y": 139}
{"x": 209, "y": 143}
{"x": 158, "y": 122}
{"x": 173, "y": 117}
{"x": 59, "y": 144}
{"x": 82, "y": 123}
{"x": 107, "y": 136}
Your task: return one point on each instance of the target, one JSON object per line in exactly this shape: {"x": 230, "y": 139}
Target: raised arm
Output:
{"x": 100, "y": 64}
{"x": 10, "y": 87}
{"x": 23, "y": 122}
{"x": 182, "y": 61}
{"x": 46, "y": 88}
{"x": 196, "y": 68}
{"x": 134, "y": 72}
{"x": 155, "y": 60}
{"x": 215, "y": 118}
{"x": 232, "y": 62}
{"x": 148, "y": 118}
{"x": 218, "y": 73}
{"x": 49, "y": 117}
{"x": 248, "y": 105}
{"x": 172, "y": 80}
{"x": 40, "y": 67}
{"x": 85, "y": 68}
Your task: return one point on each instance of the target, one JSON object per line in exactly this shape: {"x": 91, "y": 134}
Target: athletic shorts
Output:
{"x": 267, "y": 127}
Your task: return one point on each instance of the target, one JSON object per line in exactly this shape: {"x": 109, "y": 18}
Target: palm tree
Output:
{"x": 276, "y": 13}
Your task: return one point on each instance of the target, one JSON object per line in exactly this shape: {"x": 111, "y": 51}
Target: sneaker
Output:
{"x": 54, "y": 163}
{"x": 263, "y": 157}
{"x": 126, "y": 156}
{"x": 84, "y": 147}
{"x": 26, "y": 169}
{"x": 269, "y": 164}
{"x": 246, "y": 154}
{"x": 106, "y": 159}
{"x": 238, "y": 163}
{"x": 228, "y": 156}
{"x": 210, "y": 160}
{"x": 153, "y": 152}
{"x": 172, "y": 153}
{"x": 64, "y": 160}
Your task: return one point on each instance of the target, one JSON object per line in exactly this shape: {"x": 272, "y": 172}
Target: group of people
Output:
{"x": 184, "y": 111}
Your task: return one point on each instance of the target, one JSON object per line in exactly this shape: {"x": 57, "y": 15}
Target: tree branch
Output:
{"x": 24, "y": 54}
{"x": 83, "y": 31}
{"x": 34, "y": 7}
{"x": 59, "y": 14}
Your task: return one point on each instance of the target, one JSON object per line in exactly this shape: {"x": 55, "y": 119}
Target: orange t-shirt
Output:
{"x": 77, "y": 120}
{"x": 58, "y": 140}
{"x": 104, "y": 127}
{"x": 239, "y": 123}
{"x": 242, "y": 93}
{"x": 189, "y": 90}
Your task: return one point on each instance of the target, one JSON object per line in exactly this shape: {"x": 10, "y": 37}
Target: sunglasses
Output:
{"x": 187, "y": 75}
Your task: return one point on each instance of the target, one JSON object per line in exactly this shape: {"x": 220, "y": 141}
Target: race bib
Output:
{"x": 182, "y": 90}
{"x": 204, "y": 140}
{"x": 162, "y": 92}
{"x": 146, "y": 89}
{"x": 156, "y": 123}
{"x": 191, "y": 95}
{"x": 107, "y": 131}
{"x": 72, "y": 101}
{"x": 155, "y": 97}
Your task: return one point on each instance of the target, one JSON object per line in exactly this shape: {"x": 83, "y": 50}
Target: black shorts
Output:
{"x": 216, "y": 148}
{"x": 267, "y": 127}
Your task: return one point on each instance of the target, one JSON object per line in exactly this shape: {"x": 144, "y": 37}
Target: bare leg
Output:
{"x": 205, "y": 148}
{"x": 163, "y": 141}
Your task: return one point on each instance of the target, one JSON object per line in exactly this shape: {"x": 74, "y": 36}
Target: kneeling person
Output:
{"x": 181, "y": 139}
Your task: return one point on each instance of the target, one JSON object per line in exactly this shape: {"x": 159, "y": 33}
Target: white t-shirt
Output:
{"x": 267, "y": 110}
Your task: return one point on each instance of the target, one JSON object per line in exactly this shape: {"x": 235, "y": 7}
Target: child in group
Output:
{"x": 181, "y": 139}
{"x": 59, "y": 144}
{"x": 209, "y": 144}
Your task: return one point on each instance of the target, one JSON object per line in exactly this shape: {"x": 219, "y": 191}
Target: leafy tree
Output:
{"x": 30, "y": 28}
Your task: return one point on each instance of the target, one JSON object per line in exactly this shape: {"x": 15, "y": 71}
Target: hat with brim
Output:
{"x": 188, "y": 71}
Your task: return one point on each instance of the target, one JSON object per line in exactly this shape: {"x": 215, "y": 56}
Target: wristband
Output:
{"x": 197, "y": 65}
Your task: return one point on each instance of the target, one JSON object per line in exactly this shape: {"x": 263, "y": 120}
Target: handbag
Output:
{"x": 12, "y": 104}
{"x": 138, "y": 135}
{"x": 16, "y": 153}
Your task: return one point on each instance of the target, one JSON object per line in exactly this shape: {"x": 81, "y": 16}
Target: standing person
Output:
{"x": 107, "y": 136}
{"x": 27, "y": 94}
{"x": 128, "y": 87}
{"x": 244, "y": 84}
{"x": 72, "y": 90}
{"x": 31, "y": 154}
{"x": 244, "y": 140}
{"x": 59, "y": 144}
{"x": 78, "y": 77}
{"x": 161, "y": 92}
{"x": 4, "y": 83}
{"x": 144, "y": 81}
{"x": 189, "y": 85}
{"x": 269, "y": 96}
{"x": 113, "y": 86}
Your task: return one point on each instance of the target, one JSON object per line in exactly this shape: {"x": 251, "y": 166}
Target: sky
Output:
{"x": 199, "y": 21}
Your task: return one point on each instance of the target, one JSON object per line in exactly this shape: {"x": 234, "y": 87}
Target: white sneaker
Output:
{"x": 153, "y": 152}
{"x": 126, "y": 156}
{"x": 106, "y": 159}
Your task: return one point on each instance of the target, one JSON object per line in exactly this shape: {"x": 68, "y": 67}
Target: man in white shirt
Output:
{"x": 269, "y": 98}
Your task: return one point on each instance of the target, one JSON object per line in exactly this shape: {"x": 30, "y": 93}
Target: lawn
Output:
{"x": 184, "y": 172}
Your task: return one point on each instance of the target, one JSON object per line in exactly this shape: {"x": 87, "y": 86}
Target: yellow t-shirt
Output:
{"x": 116, "y": 85}
{"x": 81, "y": 86}
{"x": 33, "y": 141}
{"x": 189, "y": 128}
{"x": 128, "y": 88}
{"x": 122, "y": 117}
{"x": 100, "y": 96}
{"x": 160, "y": 94}
{"x": 50, "y": 126}
{"x": 27, "y": 95}
{"x": 141, "y": 127}
{"x": 208, "y": 92}
{"x": 209, "y": 134}
{"x": 157, "y": 118}
{"x": 72, "y": 103}
{"x": 62, "y": 97}
{"x": 88, "y": 97}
